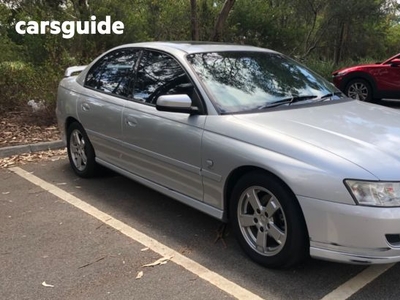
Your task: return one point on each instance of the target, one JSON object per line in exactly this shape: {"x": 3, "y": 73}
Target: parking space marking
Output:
{"x": 356, "y": 283}
{"x": 215, "y": 279}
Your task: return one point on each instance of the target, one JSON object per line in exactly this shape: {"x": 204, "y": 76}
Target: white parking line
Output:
{"x": 215, "y": 279}
{"x": 352, "y": 286}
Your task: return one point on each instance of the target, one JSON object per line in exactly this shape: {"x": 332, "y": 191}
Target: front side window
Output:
{"x": 245, "y": 81}
{"x": 159, "y": 74}
{"x": 114, "y": 73}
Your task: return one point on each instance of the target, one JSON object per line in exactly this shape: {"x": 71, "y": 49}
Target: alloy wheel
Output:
{"x": 77, "y": 150}
{"x": 358, "y": 90}
{"x": 262, "y": 221}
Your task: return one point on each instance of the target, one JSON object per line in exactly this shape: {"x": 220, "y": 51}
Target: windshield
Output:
{"x": 243, "y": 81}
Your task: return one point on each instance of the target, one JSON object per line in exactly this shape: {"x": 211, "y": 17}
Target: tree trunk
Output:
{"x": 193, "y": 20}
{"x": 339, "y": 45}
{"x": 222, "y": 16}
{"x": 81, "y": 8}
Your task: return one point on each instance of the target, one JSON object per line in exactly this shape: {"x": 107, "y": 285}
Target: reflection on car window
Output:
{"x": 159, "y": 74}
{"x": 114, "y": 73}
{"x": 241, "y": 81}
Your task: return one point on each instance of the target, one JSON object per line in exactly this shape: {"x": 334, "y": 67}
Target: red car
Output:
{"x": 370, "y": 82}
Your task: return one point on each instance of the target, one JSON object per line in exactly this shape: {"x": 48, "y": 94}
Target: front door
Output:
{"x": 163, "y": 147}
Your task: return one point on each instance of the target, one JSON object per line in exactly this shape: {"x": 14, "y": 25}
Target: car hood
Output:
{"x": 366, "y": 134}
{"x": 357, "y": 68}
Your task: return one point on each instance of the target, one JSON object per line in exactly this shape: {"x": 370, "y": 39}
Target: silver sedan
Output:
{"x": 246, "y": 135}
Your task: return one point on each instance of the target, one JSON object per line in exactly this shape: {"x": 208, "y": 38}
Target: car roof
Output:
{"x": 195, "y": 47}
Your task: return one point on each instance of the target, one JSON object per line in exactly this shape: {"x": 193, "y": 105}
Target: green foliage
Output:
{"x": 325, "y": 34}
{"x": 393, "y": 38}
{"x": 326, "y": 68}
{"x": 8, "y": 48}
{"x": 21, "y": 82}
{"x": 16, "y": 84}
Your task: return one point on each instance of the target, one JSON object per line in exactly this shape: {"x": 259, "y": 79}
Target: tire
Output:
{"x": 269, "y": 226}
{"x": 359, "y": 89}
{"x": 80, "y": 151}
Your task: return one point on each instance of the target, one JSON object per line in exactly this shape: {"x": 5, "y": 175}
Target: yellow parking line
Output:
{"x": 215, "y": 279}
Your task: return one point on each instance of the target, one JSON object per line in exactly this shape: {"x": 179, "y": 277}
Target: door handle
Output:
{"x": 130, "y": 121}
{"x": 85, "y": 106}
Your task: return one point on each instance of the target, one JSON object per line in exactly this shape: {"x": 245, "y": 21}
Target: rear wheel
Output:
{"x": 268, "y": 221}
{"x": 80, "y": 151}
{"x": 359, "y": 89}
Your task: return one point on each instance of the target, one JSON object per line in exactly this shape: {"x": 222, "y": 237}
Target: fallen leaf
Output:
{"x": 31, "y": 157}
{"x": 17, "y": 128}
{"x": 161, "y": 261}
{"x": 47, "y": 285}
{"x": 139, "y": 275}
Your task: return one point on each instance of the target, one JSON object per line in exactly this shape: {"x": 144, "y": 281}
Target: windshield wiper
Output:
{"x": 288, "y": 101}
{"x": 330, "y": 95}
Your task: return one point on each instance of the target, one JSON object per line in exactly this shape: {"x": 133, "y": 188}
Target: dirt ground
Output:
{"x": 19, "y": 128}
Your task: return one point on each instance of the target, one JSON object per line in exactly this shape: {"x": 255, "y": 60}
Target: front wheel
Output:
{"x": 80, "y": 151}
{"x": 359, "y": 89}
{"x": 268, "y": 222}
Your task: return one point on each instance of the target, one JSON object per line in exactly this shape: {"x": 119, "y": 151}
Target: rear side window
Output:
{"x": 113, "y": 73}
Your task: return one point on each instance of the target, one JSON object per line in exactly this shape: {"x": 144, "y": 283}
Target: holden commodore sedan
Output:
{"x": 248, "y": 136}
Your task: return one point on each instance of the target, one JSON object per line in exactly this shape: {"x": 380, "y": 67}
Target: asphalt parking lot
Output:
{"x": 63, "y": 237}
{"x": 48, "y": 241}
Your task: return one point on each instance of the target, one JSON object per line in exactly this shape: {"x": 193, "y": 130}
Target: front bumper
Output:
{"x": 352, "y": 233}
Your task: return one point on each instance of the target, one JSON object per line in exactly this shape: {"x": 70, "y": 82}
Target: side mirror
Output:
{"x": 176, "y": 103}
{"x": 395, "y": 62}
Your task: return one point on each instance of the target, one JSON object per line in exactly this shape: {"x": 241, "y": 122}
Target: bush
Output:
{"x": 323, "y": 68}
{"x": 326, "y": 68}
{"x": 21, "y": 82}
{"x": 16, "y": 80}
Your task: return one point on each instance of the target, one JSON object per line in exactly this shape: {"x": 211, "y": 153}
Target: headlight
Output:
{"x": 375, "y": 193}
{"x": 342, "y": 73}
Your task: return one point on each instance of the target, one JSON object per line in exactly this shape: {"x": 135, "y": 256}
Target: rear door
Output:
{"x": 108, "y": 85}
{"x": 163, "y": 147}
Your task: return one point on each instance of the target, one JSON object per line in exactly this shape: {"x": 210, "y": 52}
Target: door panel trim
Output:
{"x": 210, "y": 175}
{"x": 201, "y": 206}
{"x": 154, "y": 155}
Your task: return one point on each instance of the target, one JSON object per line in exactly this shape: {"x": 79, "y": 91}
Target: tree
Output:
{"x": 221, "y": 19}
{"x": 193, "y": 20}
